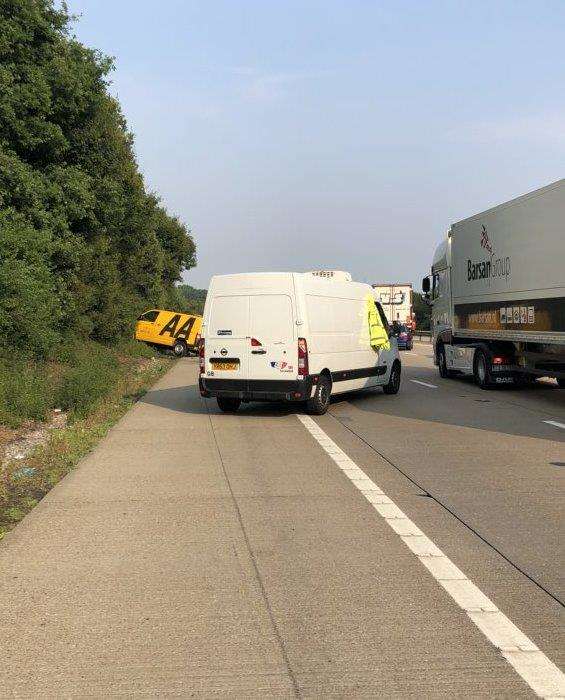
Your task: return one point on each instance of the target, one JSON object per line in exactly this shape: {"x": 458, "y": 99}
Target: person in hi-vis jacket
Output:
{"x": 378, "y": 335}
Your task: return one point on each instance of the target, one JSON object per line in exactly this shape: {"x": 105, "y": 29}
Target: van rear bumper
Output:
{"x": 258, "y": 389}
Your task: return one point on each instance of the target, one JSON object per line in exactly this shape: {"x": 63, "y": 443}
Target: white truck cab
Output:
{"x": 293, "y": 337}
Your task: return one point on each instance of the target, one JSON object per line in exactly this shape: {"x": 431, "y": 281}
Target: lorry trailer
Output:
{"x": 497, "y": 292}
{"x": 396, "y": 300}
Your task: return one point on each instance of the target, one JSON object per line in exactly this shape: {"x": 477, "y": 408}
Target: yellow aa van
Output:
{"x": 169, "y": 329}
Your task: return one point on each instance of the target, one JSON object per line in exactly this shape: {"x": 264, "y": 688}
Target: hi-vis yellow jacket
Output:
{"x": 377, "y": 332}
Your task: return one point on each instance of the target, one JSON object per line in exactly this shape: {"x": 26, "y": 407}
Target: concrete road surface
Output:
{"x": 200, "y": 554}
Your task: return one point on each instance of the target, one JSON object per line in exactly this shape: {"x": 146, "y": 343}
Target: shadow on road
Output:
{"x": 186, "y": 399}
{"x": 500, "y": 410}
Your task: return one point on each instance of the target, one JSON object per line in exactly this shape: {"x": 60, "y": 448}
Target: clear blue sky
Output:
{"x": 303, "y": 134}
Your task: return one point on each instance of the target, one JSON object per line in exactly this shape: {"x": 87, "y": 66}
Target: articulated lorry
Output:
{"x": 497, "y": 292}
{"x": 396, "y": 300}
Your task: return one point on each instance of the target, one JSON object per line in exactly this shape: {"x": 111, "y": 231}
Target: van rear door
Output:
{"x": 273, "y": 352}
{"x": 227, "y": 339}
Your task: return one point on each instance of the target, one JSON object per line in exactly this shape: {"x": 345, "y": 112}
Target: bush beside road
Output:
{"x": 95, "y": 385}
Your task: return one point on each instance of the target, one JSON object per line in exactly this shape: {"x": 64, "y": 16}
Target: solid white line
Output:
{"x": 430, "y": 386}
{"x": 541, "y": 674}
{"x": 557, "y": 424}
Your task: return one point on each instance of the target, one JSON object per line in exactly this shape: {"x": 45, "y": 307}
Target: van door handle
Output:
{"x": 258, "y": 352}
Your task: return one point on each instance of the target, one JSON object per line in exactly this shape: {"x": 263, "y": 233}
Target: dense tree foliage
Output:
{"x": 422, "y": 311}
{"x": 83, "y": 246}
{"x": 193, "y": 299}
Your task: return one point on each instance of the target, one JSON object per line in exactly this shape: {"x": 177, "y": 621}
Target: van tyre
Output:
{"x": 319, "y": 403}
{"x": 393, "y": 384}
{"x": 481, "y": 369}
{"x": 179, "y": 348}
{"x": 228, "y": 404}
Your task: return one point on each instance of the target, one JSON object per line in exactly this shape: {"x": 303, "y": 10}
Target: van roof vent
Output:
{"x": 337, "y": 275}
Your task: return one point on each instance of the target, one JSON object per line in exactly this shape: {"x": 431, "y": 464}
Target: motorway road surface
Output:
{"x": 197, "y": 554}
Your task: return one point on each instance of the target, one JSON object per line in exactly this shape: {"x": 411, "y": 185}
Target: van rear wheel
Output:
{"x": 228, "y": 404}
{"x": 319, "y": 403}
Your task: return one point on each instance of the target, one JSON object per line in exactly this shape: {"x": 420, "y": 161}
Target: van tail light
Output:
{"x": 302, "y": 357}
{"x": 255, "y": 343}
{"x": 201, "y": 360}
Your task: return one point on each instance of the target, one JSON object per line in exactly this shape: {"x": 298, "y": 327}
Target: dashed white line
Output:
{"x": 430, "y": 386}
{"x": 556, "y": 423}
{"x": 541, "y": 674}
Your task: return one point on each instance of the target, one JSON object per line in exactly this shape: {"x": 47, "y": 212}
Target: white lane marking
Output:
{"x": 556, "y": 423}
{"x": 541, "y": 674}
{"x": 430, "y": 386}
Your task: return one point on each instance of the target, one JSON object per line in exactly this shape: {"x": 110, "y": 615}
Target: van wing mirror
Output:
{"x": 426, "y": 285}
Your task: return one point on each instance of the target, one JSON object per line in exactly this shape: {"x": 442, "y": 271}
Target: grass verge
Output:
{"x": 95, "y": 404}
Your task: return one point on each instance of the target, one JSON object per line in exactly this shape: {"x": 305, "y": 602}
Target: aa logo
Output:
{"x": 183, "y": 332}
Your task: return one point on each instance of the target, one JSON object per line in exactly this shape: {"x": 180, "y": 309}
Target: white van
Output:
{"x": 291, "y": 336}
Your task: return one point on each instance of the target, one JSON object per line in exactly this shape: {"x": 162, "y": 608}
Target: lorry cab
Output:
{"x": 161, "y": 328}
{"x": 291, "y": 337}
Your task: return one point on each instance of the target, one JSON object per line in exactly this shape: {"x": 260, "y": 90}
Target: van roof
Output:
{"x": 319, "y": 274}
{"x": 251, "y": 280}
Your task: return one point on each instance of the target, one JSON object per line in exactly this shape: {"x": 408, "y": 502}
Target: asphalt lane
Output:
{"x": 488, "y": 460}
{"x": 488, "y": 456}
{"x": 194, "y": 553}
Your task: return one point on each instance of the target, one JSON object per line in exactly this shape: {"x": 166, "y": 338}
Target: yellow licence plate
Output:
{"x": 218, "y": 364}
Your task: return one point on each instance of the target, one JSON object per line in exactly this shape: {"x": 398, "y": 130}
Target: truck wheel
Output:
{"x": 179, "y": 348}
{"x": 444, "y": 373}
{"x": 228, "y": 404}
{"x": 394, "y": 380}
{"x": 481, "y": 370}
{"x": 319, "y": 403}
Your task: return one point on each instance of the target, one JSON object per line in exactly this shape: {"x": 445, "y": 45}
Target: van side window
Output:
{"x": 383, "y": 316}
{"x": 149, "y": 316}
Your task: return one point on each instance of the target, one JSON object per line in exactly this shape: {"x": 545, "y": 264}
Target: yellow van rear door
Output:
{"x": 196, "y": 328}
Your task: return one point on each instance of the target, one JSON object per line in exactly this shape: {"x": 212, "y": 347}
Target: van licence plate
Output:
{"x": 222, "y": 364}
